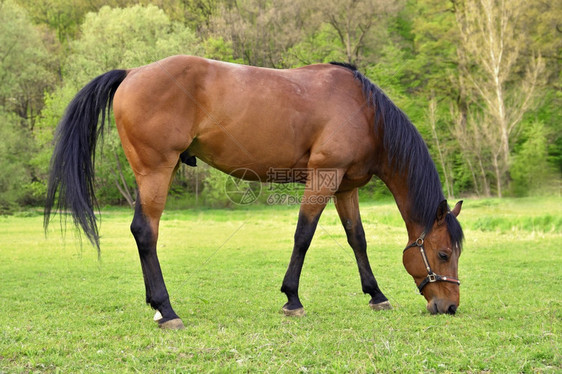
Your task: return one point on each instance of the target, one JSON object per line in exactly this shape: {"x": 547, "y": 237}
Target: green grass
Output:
{"x": 63, "y": 311}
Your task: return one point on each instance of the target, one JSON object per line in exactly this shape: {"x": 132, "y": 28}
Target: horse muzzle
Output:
{"x": 439, "y": 306}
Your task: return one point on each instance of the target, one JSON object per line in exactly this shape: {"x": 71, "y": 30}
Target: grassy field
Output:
{"x": 63, "y": 311}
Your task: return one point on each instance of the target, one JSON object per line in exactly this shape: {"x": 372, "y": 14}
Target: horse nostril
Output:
{"x": 452, "y": 309}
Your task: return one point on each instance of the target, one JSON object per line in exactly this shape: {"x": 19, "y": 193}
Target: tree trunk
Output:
{"x": 485, "y": 183}
{"x": 497, "y": 170}
{"x": 432, "y": 121}
{"x": 474, "y": 179}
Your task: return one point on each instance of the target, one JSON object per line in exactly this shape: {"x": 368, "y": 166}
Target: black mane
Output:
{"x": 407, "y": 152}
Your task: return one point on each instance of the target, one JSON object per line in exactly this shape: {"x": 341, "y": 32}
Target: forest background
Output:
{"x": 481, "y": 79}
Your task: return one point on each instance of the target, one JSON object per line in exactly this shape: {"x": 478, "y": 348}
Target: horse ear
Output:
{"x": 457, "y": 209}
{"x": 442, "y": 211}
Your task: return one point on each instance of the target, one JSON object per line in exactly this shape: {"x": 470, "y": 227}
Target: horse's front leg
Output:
{"x": 148, "y": 210}
{"x": 315, "y": 198}
{"x": 347, "y": 205}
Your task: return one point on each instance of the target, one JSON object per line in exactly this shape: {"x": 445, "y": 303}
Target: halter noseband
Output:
{"x": 431, "y": 276}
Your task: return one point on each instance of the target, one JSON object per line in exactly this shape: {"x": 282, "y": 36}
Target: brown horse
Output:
{"x": 328, "y": 121}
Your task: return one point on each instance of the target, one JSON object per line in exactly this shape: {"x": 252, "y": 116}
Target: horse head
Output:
{"x": 432, "y": 260}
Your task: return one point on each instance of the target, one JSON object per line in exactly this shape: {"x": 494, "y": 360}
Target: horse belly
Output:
{"x": 233, "y": 147}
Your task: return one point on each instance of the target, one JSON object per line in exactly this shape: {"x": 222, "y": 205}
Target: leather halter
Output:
{"x": 431, "y": 276}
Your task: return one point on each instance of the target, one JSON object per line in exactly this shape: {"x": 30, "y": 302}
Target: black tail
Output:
{"x": 71, "y": 177}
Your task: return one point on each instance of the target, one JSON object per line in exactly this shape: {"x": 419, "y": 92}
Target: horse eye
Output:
{"x": 443, "y": 256}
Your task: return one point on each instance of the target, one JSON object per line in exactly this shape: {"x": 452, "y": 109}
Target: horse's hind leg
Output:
{"x": 153, "y": 189}
{"x": 347, "y": 205}
{"x": 308, "y": 220}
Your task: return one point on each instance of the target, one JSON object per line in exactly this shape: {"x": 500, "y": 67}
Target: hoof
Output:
{"x": 294, "y": 312}
{"x": 173, "y": 324}
{"x": 385, "y": 305}
{"x": 157, "y": 316}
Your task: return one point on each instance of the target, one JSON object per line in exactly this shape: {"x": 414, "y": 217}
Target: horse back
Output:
{"x": 235, "y": 116}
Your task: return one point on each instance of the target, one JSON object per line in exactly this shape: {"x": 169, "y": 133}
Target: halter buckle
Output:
{"x": 432, "y": 277}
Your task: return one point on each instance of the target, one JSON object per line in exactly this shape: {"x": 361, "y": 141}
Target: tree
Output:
{"x": 434, "y": 41}
{"x": 261, "y": 32}
{"x": 25, "y": 74}
{"x": 61, "y": 16}
{"x": 25, "y": 64}
{"x": 441, "y": 149}
{"x": 488, "y": 55}
{"x": 530, "y": 170}
{"x": 541, "y": 21}
{"x": 64, "y": 17}
{"x": 320, "y": 46}
{"x": 472, "y": 146}
{"x": 122, "y": 38}
{"x": 199, "y": 13}
{"x": 354, "y": 21}
{"x": 15, "y": 174}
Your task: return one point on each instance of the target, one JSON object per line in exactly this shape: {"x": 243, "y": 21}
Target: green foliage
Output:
{"x": 14, "y": 152}
{"x": 434, "y": 39}
{"x": 24, "y": 74}
{"x": 214, "y": 189}
{"x": 26, "y": 69}
{"x": 115, "y": 38}
{"x": 322, "y": 46}
{"x": 550, "y": 115}
{"x": 63, "y": 16}
{"x": 198, "y": 13}
{"x": 115, "y": 181}
{"x": 219, "y": 49}
{"x": 530, "y": 170}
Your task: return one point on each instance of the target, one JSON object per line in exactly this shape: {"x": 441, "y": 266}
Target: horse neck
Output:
{"x": 398, "y": 185}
